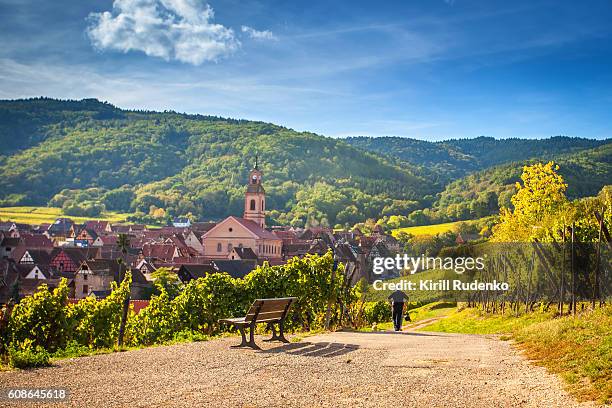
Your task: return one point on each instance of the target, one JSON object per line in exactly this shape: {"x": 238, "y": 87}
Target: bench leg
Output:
{"x": 274, "y": 335}
{"x": 251, "y": 342}
{"x": 244, "y": 342}
{"x": 280, "y": 336}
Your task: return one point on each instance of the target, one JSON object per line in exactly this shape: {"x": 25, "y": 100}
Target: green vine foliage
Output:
{"x": 377, "y": 312}
{"x": 40, "y": 320}
{"x": 47, "y": 320}
{"x": 95, "y": 323}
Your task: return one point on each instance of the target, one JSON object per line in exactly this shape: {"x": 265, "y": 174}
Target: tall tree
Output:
{"x": 538, "y": 201}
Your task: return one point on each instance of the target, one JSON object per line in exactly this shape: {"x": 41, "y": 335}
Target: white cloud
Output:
{"x": 170, "y": 29}
{"x": 258, "y": 35}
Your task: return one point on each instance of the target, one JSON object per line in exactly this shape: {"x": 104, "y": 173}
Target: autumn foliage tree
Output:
{"x": 538, "y": 202}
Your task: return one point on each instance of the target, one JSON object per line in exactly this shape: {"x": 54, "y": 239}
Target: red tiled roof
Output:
{"x": 36, "y": 241}
{"x": 255, "y": 229}
{"x": 286, "y": 235}
{"x": 160, "y": 251}
{"x": 108, "y": 239}
{"x": 97, "y": 226}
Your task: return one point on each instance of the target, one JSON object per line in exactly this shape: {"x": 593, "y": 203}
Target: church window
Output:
{"x": 229, "y": 247}
{"x": 219, "y": 247}
{"x": 252, "y": 205}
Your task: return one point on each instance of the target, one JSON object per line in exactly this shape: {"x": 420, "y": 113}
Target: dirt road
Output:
{"x": 332, "y": 370}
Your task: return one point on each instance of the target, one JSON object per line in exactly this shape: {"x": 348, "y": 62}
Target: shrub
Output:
{"x": 96, "y": 322}
{"x": 377, "y": 312}
{"x": 41, "y": 318}
{"x": 188, "y": 336}
{"x": 72, "y": 349}
{"x": 26, "y": 355}
{"x": 154, "y": 324}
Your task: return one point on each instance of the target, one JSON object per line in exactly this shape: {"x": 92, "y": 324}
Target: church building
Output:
{"x": 248, "y": 231}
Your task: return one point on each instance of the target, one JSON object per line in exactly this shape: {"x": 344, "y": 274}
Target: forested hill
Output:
{"x": 483, "y": 192}
{"x": 452, "y": 159}
{"x": 86, "y": 153}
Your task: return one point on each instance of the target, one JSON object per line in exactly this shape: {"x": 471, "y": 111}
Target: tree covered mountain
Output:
{"x": 452, "y": 159}
{"x": 71, "y": 153}
{"x": 482, "y": 193}
{"x": 88, "y": 155}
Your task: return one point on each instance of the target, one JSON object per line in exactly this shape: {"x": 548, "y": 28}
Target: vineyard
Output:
{"x": 41, "y": 215}
{"x": 46, "y": 324}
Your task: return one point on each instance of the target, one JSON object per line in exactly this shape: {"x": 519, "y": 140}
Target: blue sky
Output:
{"x": 425, "y": 69}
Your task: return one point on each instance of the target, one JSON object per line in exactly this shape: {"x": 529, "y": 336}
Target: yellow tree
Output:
{"x": 538, "y": 204}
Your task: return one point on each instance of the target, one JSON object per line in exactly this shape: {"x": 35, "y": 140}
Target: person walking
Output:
{"x": 397, "y": 298}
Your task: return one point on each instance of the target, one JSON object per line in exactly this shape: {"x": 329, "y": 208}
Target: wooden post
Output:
{"x": 529, "y": 279}
{"x": 573, "y": 272}
{"x": 562, "y": 289}
{"x": 598, "y": 258}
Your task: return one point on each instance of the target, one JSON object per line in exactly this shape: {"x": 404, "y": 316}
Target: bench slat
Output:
{"x": 271, "y": 306}
{"x": 266, "y": 315}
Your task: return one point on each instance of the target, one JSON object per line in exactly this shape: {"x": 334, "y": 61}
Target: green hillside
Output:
{"x": 87, "y": 157}
{"x": 453, "y": 159}
{"x": 482, "y": 193}
{"x": 90, "y": 153}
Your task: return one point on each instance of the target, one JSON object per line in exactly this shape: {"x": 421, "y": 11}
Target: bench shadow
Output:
{"x": 322, "y": 349}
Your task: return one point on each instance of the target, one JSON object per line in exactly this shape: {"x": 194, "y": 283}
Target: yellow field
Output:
{"x": 40, "y": 215}
{"x": 427, "y": 229}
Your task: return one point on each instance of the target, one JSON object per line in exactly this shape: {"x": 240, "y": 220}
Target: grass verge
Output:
{"x": 579, "y": 349}
{"x": 429, "y": 311}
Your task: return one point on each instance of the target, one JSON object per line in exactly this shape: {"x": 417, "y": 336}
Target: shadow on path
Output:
{"x": 392, "y": 332}
{"x": 322, "y": 349}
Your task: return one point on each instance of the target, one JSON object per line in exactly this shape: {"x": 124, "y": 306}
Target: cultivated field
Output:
{"x": 40, "y": 215}
{"x": 427, "y": 229}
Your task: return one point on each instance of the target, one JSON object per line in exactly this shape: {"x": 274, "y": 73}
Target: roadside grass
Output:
{"x": 432, "y": 310}
{"x": 579, "y": 349}
{"x": 428, "y": 311}
{"x": 39, "y": 215}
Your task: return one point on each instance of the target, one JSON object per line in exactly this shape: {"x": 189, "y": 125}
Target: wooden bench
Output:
{"x": 271, "y": 311}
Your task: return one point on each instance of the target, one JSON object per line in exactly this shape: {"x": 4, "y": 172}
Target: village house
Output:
{"x": 242, "y": 253}
{"x": 146, "y": 268}
{"x": 234, "y": 268}
{"x": 85, "y": 237}
{"x": 181, "y": 222}
{"x": 59, "y": 231}
{"x": 99, "y": 227}
{"x": 66, "y": 260}
{"x": 95, "y": 276}
{"x": 35, "y": 256}
{"x": 7, "y": 246}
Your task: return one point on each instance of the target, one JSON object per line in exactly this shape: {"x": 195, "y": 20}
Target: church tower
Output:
{"x": 255, "y": 198}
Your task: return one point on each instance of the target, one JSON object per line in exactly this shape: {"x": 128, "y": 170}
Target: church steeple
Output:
{"x": 255, "y": 197}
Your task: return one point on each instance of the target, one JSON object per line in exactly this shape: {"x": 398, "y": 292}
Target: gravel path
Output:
{"x": 342, "y": 369}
